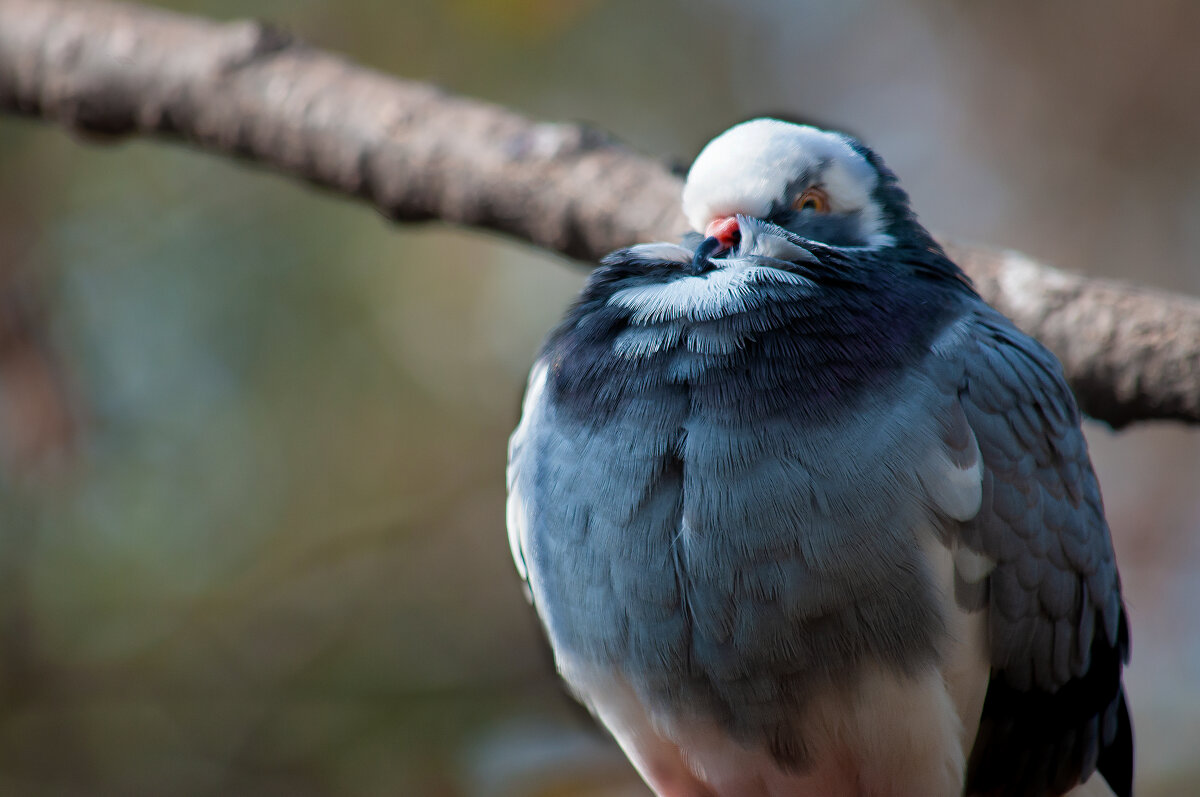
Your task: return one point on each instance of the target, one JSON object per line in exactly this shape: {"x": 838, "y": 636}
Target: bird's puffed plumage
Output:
{"x": 813, "y": 518}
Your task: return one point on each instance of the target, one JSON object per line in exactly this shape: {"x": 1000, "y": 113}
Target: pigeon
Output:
{"x": 801, "y": 514}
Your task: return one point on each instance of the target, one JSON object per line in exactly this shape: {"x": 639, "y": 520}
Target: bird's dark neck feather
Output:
{"x": 855, "y": 325}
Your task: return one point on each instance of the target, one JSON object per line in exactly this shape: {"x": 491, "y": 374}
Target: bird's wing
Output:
{"x": 1037, "y": 556}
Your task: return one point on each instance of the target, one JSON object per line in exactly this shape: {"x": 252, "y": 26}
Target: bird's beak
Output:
{"x": 721, "y": 235}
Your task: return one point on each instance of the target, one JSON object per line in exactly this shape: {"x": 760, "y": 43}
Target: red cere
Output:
{"x": 725, "y": 230}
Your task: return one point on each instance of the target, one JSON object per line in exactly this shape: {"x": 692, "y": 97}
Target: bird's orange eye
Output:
{"x": 814, "y": 199}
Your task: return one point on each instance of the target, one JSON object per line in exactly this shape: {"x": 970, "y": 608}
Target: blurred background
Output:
{"x": 253, "y": 437}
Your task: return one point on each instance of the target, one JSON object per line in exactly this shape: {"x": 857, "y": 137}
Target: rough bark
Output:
{"x": 250, "y": 91}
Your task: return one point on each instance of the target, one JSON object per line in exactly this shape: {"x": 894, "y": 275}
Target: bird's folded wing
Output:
{"x": 1037, "y": 557}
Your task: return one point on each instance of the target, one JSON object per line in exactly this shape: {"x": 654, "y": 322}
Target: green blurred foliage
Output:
{"x": 276, "y": 562}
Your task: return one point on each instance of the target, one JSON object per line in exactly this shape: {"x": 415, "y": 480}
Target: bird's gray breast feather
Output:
{"x": 726, "y": 563}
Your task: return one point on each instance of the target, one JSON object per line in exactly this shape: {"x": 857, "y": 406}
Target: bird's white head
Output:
{"x": 814, "y": 183}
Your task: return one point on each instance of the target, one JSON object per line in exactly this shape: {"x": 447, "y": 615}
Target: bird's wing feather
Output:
{"x": 1038, "y": 557}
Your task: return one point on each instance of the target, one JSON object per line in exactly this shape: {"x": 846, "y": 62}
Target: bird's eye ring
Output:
{"x": 814, "y": 199}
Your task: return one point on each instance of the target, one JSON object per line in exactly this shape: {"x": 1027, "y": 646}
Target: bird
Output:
{"x": 801, "y": 514}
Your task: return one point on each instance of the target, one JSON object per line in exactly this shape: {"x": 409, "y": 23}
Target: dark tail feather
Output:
{"x": 1116, "y": 759}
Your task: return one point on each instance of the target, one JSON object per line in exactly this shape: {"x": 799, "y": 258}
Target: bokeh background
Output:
{"x": 253, "y": 437}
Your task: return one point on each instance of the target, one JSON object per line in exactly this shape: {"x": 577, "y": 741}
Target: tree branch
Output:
{"x": 250, "y": 91}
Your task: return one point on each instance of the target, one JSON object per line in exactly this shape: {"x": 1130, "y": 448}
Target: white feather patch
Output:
{"x": 966, "y": 659}
{"x": 909, "y": 735}
{"x": 958, "y": 492}
{"x": 883, "y": 734}
{"x": 639, "y": 342}
{"x": 972, "y": 567}
{"x": 704, "y": 297}
{"x": 516, "y": 513}
{"x": 672, "y": 253}
{"x": 955, "y": 488}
